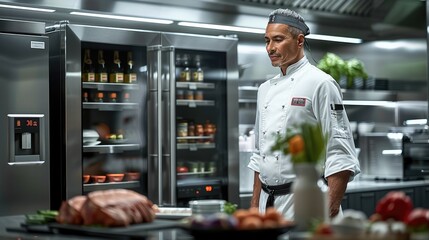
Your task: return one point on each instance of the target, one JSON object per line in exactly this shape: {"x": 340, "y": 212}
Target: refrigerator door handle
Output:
{"x": 155, "y": 132}
{"x": 169, "y": 125}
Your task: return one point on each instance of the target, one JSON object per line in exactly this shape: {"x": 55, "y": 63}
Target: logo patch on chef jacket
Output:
{"x": 298, "y": 101}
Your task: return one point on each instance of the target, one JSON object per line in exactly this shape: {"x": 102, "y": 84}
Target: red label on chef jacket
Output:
{"x": 298, "y": 101}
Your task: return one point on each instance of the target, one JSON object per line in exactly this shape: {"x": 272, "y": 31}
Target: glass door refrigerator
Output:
{"x": 115, "y": 113}
{"x": 196, "y": 154}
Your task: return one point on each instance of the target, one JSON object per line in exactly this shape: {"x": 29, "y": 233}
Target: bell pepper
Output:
{"x": 418, "y": 220}
{"x": 394, "y": 205}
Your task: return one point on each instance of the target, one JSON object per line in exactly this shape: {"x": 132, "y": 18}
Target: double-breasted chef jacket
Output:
{"x": 304, "y": 94}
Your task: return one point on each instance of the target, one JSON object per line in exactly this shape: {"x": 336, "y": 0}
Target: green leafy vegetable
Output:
{"x": 41, "y": 217}
{"x": 335, "y": 66}
{"x": 229, "y": 208}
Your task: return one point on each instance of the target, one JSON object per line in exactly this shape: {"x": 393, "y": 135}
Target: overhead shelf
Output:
{"x": 90, "y": 187}
{"x": 109, "y": 106}
{"x": 109, "y": 86}
{"x": 195, "y": 85}
{"x": 114, "y": 148}
{"x": 194, "y": 103}
{"x": 248, "y": 94}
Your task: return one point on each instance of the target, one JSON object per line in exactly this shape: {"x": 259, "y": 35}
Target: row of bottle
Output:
{"x": 101, "y": 96}
{"x": 117, "y": 73}
{"x": 186, "y": 75}
{"x": 196, "y": 167}
{"x": 189, "y": 95}
{"x": 190, "y": 129}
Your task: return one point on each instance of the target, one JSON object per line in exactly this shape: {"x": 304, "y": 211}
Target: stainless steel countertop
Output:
{"x": 359, "y": 185}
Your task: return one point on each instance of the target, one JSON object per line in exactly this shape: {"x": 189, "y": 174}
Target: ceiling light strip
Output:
{"x": 127, "y": 18}
{"x": 27, "y": 8}
{"x": 222, "y": 27}
{"x": 262, "y": 31}
{"x": 334, "y": 38}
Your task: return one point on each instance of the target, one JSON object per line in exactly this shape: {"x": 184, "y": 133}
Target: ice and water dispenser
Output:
{"x": 26, "y": 138}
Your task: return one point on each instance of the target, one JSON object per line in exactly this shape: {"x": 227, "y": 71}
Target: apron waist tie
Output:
{"x": 272, "y": 191}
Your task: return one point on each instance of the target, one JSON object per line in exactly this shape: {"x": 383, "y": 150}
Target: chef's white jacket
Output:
{"x": 304, "y": 94}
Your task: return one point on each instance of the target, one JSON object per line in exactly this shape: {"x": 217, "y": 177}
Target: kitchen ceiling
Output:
{"x": 366, "y": 19}
{"x": 382, "y": 18}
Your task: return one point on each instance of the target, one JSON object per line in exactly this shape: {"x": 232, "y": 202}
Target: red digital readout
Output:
{"x": 209, "y": 188}
{"x": 31, "y": 123}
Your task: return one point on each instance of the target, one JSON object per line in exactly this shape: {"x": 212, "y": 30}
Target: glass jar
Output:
{"x": 199, "y": 132}
{"x": 199, "y": 95}
{"x": 100, "y": 97}
{"x": 182, "y": 131}
{"x": 113, "y": 97}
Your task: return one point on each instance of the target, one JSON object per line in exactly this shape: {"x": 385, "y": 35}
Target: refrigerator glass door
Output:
{"x": 105, "y": 94}
{"x": 206, "y": 117}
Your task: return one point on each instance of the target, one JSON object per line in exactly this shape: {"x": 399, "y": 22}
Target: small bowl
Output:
{"x": 86, "y": 178}
{"x": 98, "y": 178}
{"x": 115, "y": 177}
{"x": 132, "y": 176}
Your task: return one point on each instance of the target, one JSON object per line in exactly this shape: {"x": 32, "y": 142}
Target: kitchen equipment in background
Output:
{"x": 24, "y": 145}
{"x": 395, "y": 155}
{"x": 139, "y": 118}
{"x": 195, "y": 189}
{"x": 415, "y": 154}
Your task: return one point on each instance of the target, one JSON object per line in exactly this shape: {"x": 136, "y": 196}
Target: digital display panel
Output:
{"x": 27, "y": 124}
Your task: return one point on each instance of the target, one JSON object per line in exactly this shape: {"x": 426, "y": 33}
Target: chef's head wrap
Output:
{"x": 289, "y": 17}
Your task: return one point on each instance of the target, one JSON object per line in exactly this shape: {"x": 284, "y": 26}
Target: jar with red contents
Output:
{"x": 199, "y": 132}
{"x": 209, "y": 130}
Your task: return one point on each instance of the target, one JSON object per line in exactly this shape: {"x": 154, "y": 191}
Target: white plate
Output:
{"x": 91, "y": 143}
{"x": 173, "y": 213}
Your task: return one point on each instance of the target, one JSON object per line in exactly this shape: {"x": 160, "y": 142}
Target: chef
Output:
{"x": 300, "y": 93}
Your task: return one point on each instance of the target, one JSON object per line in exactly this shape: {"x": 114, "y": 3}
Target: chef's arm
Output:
{"x": 254, "y": 202}
{"x": 337, "y": 187}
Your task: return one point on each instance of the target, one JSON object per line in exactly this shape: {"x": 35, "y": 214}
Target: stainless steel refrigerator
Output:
{"x": 126, "y": 124}
{"x": 24, "y": 142}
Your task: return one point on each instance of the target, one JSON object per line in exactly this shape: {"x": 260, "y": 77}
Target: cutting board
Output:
{"x": 135, "y": 231}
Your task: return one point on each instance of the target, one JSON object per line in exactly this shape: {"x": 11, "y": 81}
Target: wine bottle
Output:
{"x": 116, "y": 72}
{"x": 101, "y": 70}
{"x": 185, "y": 74}
{"x": 130, "y": 71}
{"x": 198, "y": 75}
{"x": 88, "y": 73}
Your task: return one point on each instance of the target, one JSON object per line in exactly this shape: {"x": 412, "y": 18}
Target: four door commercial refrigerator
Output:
{"x": 24, "y": 141}
{"x": 165, "y": 126}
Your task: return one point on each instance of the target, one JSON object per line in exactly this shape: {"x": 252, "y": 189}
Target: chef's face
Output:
{"x": 282, "y": 46}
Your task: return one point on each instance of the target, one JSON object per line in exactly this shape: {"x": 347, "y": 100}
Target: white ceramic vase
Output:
{"x": 310, "y": 198}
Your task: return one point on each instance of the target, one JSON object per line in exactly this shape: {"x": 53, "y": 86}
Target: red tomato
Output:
{"x": 323, "y": 229}
{"x": 419, "y": 217}
{"x": 182, "y": 169}
{"x": 395, "y": 205}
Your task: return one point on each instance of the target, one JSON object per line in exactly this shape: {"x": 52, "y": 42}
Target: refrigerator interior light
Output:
{"x": 27, "y": 8}
{"x": 262, "y": 31}
{"x": 127, "y": 18}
